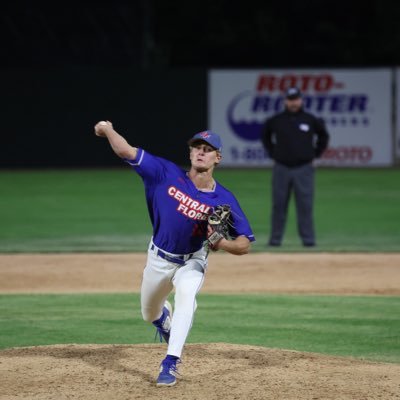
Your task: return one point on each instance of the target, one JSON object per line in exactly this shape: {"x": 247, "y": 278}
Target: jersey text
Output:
{"x": 187, "y": 206}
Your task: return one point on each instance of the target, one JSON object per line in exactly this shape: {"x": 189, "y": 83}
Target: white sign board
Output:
{"x": 355, "y": 105}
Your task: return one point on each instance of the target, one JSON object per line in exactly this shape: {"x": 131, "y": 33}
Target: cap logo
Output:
{"x": 205, "y": 135}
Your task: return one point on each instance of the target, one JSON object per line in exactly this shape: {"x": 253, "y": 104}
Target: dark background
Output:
{"x": 143, "y": 65}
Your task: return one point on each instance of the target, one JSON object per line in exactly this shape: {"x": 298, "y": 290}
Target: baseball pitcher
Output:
{"x": 191, "y": 214}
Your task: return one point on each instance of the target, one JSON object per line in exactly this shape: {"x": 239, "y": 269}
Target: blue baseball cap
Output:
{"x": 209, "y": 137}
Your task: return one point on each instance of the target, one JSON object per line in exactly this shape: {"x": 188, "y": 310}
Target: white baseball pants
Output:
{"x": 160, "y": 277}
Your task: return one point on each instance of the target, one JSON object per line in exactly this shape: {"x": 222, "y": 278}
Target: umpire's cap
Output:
{"x": 209, "y": 137}
{"x": 293, "y": 93}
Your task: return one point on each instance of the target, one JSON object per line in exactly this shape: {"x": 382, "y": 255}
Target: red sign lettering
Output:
{"x": 362, "y": 154}
{"x": 317, "y": 83}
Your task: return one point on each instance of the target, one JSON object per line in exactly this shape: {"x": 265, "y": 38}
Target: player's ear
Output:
{"x": 219, "y": 157}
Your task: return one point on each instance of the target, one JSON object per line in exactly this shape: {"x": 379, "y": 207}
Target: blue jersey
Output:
{"x": 178, "y": 210}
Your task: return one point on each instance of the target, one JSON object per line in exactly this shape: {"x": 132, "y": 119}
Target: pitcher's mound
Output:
{"x": 208, "y": 371}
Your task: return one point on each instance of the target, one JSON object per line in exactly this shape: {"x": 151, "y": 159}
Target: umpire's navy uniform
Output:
{"x": 293, "y": 138}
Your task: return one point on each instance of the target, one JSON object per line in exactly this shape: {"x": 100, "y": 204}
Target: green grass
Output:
{"x": 63, "y": 211}
{"x": 366, "y": 326}
{"x": 105, "y": 210}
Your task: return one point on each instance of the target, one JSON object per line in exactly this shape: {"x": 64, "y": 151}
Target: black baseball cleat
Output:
{"x": 273, "y": 244}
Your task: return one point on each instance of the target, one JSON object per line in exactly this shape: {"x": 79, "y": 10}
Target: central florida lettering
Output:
{"x": 187, "y": 206}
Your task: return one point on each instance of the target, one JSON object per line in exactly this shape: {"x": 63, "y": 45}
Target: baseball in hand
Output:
{"x": 100, "y": 128}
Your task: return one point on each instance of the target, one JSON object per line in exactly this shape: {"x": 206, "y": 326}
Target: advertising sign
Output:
{"x": 355, "y": 105}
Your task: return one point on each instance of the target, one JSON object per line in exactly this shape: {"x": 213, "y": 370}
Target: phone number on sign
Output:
{"x": 248, "y": 154}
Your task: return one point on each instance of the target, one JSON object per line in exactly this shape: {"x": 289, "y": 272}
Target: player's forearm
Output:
{"x": 238, "y": 246}
{"x": 120, "y": 146}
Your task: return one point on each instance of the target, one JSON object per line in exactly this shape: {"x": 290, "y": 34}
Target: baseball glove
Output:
{"x": 218, "y": 223}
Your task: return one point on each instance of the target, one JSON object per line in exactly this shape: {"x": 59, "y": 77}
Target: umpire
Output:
{"x": 293, "y": 138}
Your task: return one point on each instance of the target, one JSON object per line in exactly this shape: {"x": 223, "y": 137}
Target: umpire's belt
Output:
{"x": 176, "y": 258}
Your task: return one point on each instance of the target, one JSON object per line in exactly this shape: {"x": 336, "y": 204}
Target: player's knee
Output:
{"x": 149, "y": 315}
{"x": 184, "y": 295}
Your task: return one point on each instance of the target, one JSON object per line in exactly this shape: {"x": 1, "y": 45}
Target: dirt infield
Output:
{"x": 253, "y": 273}
{"x": 209, "y": 371}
